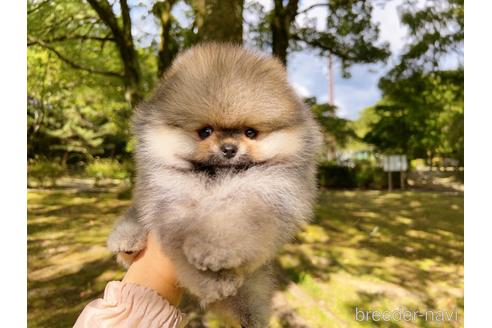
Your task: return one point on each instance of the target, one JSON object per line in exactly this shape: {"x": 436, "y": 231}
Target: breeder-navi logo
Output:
{"x": 402, "y": 314}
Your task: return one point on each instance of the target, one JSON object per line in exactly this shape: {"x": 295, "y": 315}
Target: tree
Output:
{"x": 87, "y": 69}
{"x": 435, "y": 31}
{"x": 219, "y": 20}
{"x": 338, "y": 129}
{"x": 281, "y": 20}
{"x": 122, "y": 35}
{"x": 76, "y": 105}
{"x": 422, "y": 110}
{"x": 72, "y": 116}
{"x": 350, "y": 34}
{"x": 168, "y": 47}
{"x": 214, "y": 20}
{"x": 417, "y": 116}
{"x": 52, "y": 23}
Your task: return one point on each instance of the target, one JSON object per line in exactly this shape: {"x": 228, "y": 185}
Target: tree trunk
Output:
{"x": 65, "y": 159}
{"x": 168, "y": 47}
{"x": 129, "y": 56}
{"x": 219, "y": 20}
{"x": 124, "y": 43}
{"x": 280, "y": 23}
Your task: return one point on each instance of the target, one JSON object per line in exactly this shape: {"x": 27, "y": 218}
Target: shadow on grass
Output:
{"x": 58, "y": 301}
{"x": 404, "y": 243}
{"x": 67, "y": 262}
{"x": 364, "y": 249}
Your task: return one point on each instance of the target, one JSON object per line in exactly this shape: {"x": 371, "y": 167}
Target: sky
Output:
{"x": 307, "y": 70}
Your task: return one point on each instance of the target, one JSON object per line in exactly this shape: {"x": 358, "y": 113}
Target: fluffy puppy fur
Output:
{"x": 225, "y": 154}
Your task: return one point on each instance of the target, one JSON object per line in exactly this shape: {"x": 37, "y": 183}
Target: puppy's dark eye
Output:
{"x": 250, "y": 133}
{"x": 205, "y": 132}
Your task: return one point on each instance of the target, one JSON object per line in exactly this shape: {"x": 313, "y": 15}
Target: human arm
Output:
{"x": 147, "y": 296}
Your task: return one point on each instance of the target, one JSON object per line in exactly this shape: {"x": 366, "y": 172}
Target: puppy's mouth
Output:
{"x": 214, "y": 167}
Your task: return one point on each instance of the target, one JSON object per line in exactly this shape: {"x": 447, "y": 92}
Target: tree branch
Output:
{"x": 312, "y": 7}
{"x": 105, "y": 13}
{"x": 41, "y": 43}
{"x": 124, "y": 42}
{"x": 291, "y": 9}
{"x": 40, "y": 5}
{"x": 72, "y": 37}
{"x": 125, "y": 15}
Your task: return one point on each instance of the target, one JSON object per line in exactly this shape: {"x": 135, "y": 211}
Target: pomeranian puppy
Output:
{"x": 225, "y": 158}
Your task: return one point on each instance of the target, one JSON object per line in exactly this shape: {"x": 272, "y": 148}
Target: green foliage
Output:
{"x": 436, "y": 30}
{"x": 258, "y": 31}
{"x": 422, "y": 110}
{"x": 72, "y": 32}
{"x": 335, "y": 176}
{"x": 366, "y": 119}
{"x": 74, "y": 112}
{"x": 106, "y": 168}
{"x": 42, "y": 171}
{"x": 421, "y": 116}
{"x": 351, "y": 35}
{"x": 336, "y": 128}
{"x": 367, "y": 175}
{"x": 364, "y": 174}
{"x": 86, "y": 70}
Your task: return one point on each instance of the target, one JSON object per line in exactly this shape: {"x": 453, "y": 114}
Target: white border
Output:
{"x": 478, "y": 150}
{"x": 478, "y": 223}
{"x": 13, "y": 120}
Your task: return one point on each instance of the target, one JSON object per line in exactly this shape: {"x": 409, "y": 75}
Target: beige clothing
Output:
{"x": 129, "y": 305}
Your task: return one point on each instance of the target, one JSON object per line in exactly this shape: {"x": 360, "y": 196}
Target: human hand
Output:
{"x": 153, "y": 269}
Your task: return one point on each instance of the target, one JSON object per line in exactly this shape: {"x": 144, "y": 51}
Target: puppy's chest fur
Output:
{"x": 173, "y": 194}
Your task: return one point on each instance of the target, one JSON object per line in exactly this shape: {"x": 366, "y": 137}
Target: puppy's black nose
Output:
{"x": 229, "y": 150}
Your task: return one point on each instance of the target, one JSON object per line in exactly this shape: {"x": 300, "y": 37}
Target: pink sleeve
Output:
{"x": 129, "y": 305}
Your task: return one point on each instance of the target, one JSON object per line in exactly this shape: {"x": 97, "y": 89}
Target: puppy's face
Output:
{"x": 222, "y": 106}
{"x": 213, "y": 146}
{"x": 219, "y": 146}
{"x": 242, "y": 146}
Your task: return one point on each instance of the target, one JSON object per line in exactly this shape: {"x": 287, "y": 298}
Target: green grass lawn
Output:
{"x": 368, "y": 250}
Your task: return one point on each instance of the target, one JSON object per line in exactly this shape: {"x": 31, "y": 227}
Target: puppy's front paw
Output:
{"x": 206, "y": 256}
{"x": 126, "y": 240}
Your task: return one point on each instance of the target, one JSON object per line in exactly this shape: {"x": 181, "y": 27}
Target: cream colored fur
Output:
{"x": 222, "y": 220}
